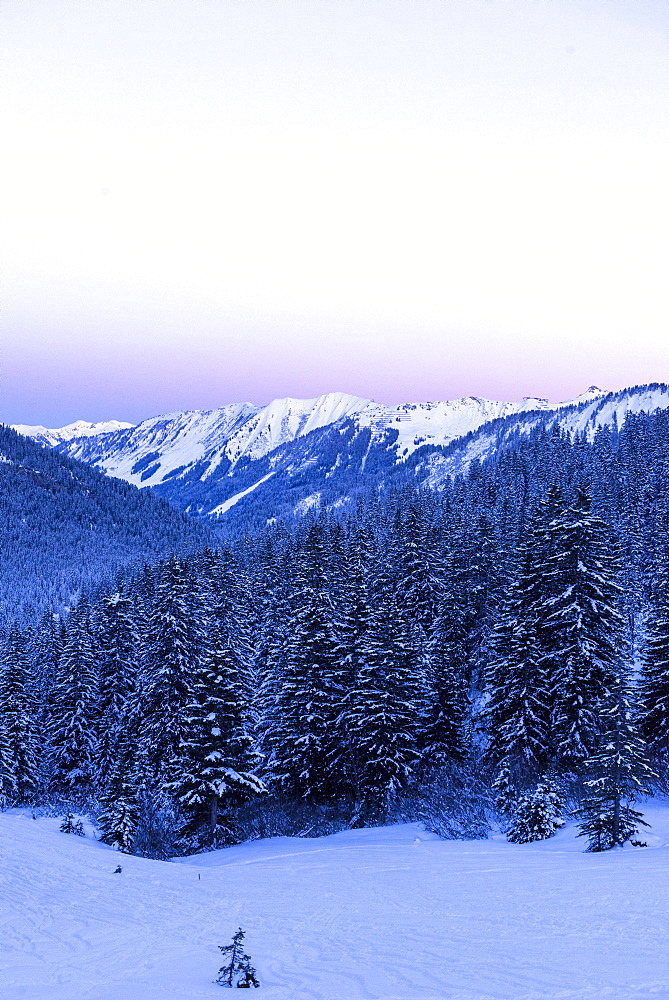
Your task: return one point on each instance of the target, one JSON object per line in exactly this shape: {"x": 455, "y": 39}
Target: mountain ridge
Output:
{"x": 164, "y": 446}
{"x": 246, "y": 465}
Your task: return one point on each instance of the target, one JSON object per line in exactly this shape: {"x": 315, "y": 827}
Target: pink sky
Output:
{"x": 231, "y": 201}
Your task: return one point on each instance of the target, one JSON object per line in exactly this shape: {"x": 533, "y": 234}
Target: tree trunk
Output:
{"x": 213, "y": 819}
{"x": 616, "y": 821}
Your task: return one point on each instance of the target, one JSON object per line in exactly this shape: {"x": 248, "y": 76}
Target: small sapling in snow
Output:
{"x": 118, "y": 870}
{"x": 238, "y": 972}
{"x": 70, "y": 825}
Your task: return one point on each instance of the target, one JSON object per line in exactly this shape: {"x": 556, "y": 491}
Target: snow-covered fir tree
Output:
{"x": 44, "y": 646}
{"x": 444, "y": 736}
{"x": 537, "y": 815}
{"x": 616, "y": 774}
{"x": 486, "y": 577}
{"x": 19, "y": 744}
{"x": 300, "y": 725}
{"x": 118, "y": 821}
{"x": 117, "y": 650}
{"x": 654, "y": 679}
{"x": 504, "y": 791}
{"x": 386, "y": 709}
{"x": 517, "y": 715}
{"x": 72, "y": 732}
{"x": 215, "y": 771}
{"x": 351, "y": 623}
{"x": 582, "y": 630}
{"x": 418, "y": 566}
{"x": 170, "y": 658}
{"x": 224, "y": 592}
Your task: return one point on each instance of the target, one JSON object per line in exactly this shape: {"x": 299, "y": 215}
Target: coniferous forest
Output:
{"x": 493, "y": 653}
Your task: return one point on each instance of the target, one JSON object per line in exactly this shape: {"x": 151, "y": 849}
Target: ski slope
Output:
{"x": 390, "y": 913}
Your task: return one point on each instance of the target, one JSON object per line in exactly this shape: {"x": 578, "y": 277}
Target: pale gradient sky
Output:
{"x": 205, "y": 201}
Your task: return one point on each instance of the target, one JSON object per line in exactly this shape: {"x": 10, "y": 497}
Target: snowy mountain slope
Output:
{"x": 442, "y": 422}
{"x": 163, "y": 446}
{"x": 390, "y": 913}
{"x": 357, "y": 454}
{"x": 79, "y": 429}
{"x": 586, "y": 417}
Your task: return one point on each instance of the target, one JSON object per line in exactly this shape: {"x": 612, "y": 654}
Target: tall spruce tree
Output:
{"x": 486, "y": 580}
{"x": 216, "y": 760}
{"x": 301, "y": 723}
{"x": 120, "y": 816}
{"x": 517, "y": 716}
{"x": 44, "y": 646}
{"x": 117, "y": 650}
{"x": 583, "y": 630}
{"x": 386, "y": 709}
{"x": 654, "y": 679}
{"x": 419, "y": 568}
{"x": 353, "y": 615}
{"x": 72, "y": 731}
{"x": 615, "y": 775}
{"x": 444, "y": 737}
{"x": 225, "y": 593}
{"x": 171, "y": 657}
{"x": 19, "y": 747}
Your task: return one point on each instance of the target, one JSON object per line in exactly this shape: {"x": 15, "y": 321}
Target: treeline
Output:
{"x": 512, "y": 630}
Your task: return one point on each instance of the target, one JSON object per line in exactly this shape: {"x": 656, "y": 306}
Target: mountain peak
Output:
{"x": 593, "y": 392}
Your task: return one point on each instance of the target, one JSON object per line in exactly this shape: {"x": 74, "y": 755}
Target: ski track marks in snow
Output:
{"x": 381, "y": 914}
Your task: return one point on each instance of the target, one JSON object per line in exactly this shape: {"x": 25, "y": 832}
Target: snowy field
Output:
{"x": 384, "y": 913}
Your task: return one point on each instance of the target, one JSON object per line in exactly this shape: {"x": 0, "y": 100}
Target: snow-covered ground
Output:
{"x": 383, "y": 913}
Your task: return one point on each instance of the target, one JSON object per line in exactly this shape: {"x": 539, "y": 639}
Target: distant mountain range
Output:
{"x": 243, "y": 465}
{"x": 79, "y": 429}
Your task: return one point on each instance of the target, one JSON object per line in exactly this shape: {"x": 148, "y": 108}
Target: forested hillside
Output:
{"x": 66, "y": 528}
{"x": 511, "y": 630}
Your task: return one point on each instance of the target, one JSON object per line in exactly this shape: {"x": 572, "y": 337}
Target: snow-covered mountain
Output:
{"x": 175, "y": 444}
{"x": 79, "y": 429}
{"x": 296, "y": 454}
